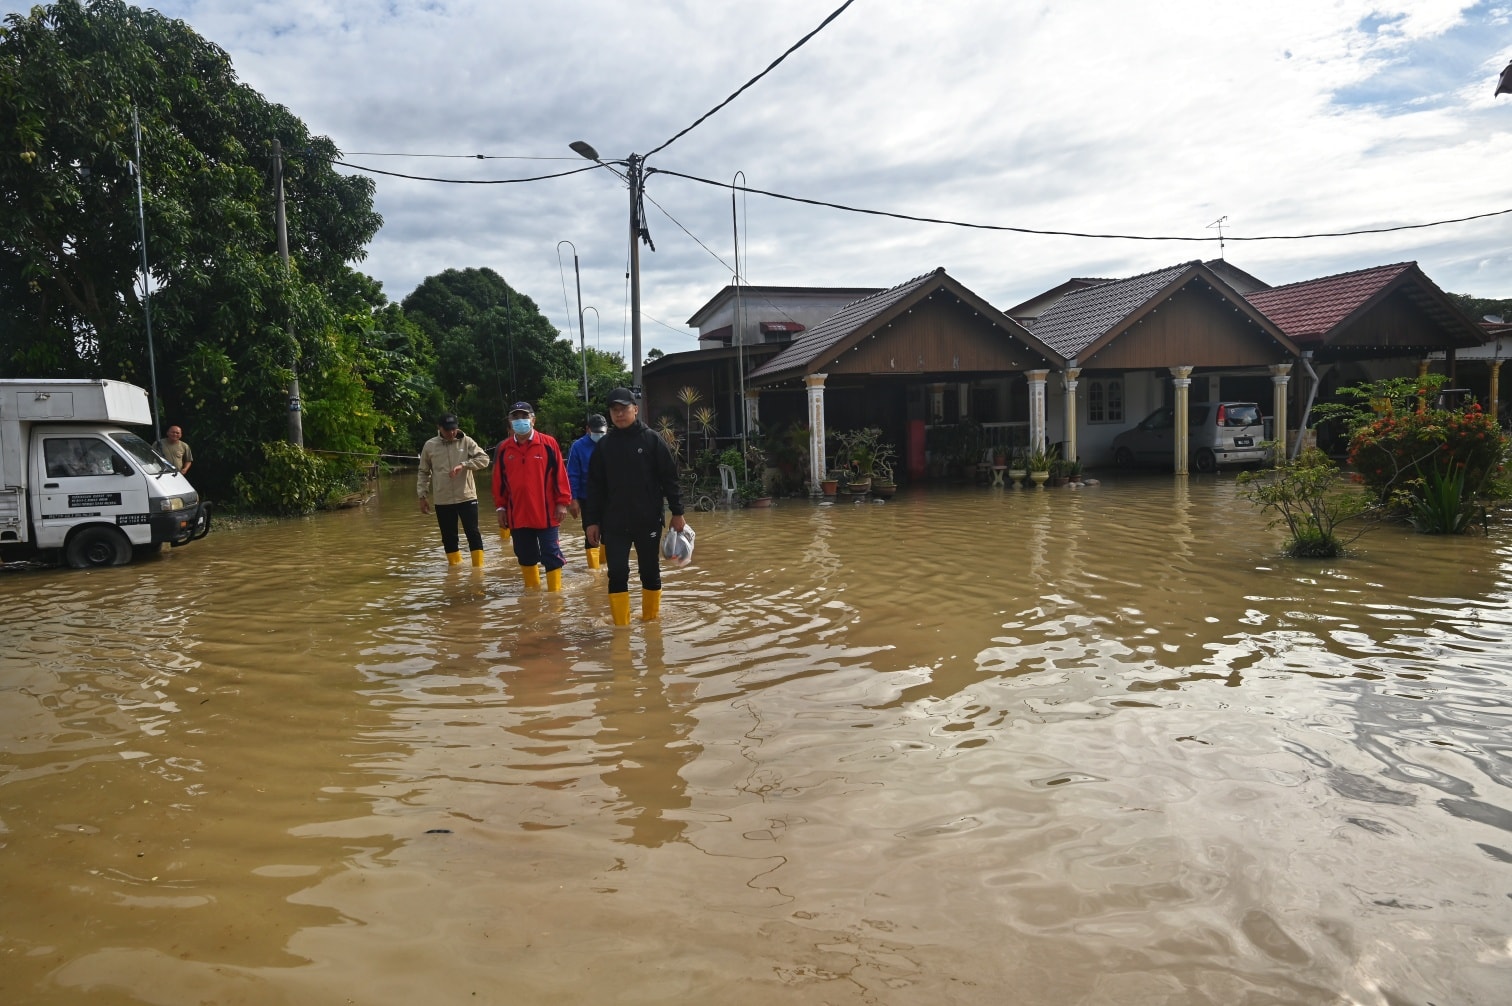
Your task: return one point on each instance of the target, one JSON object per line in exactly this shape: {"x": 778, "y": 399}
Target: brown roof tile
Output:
{"x": 1310, "y": 310}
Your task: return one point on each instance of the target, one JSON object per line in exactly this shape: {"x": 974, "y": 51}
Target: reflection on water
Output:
{"x": 1097, "y": 746}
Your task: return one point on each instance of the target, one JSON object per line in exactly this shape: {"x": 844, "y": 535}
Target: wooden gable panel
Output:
{"x": 1395, "y": 323}
{"x": 1195, "y": 327}
{"x": 936, "y": 336}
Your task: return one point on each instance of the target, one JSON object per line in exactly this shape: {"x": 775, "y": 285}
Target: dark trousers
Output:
{"x": 647, "y": 558}
{"x": 537, "y": 546}
{"x": 447, "y": 515}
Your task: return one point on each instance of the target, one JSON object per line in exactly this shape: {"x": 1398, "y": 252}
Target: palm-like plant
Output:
{"x": 689, "y": 396}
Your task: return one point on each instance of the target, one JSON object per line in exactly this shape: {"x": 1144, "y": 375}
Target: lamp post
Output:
{"x": 633, "y": 166}
{"x": 582, "y": 339}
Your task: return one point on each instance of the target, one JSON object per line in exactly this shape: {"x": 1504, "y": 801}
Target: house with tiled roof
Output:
{"x": 1368, "y": 324}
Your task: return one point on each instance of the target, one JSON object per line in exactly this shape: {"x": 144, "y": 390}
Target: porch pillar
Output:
{"x": 818, "y": 463}
{"x": 752, "y": 411}
{"x": 963, "y": 402}
{"x": 1423, "y": 366}
{"x": 1280, "y": 377}
{"x": 1180, "y": 435}
{"x": 1036, "y": 408}
{"x": 1495, "y": 388}
{"x": 1071, "y": 375}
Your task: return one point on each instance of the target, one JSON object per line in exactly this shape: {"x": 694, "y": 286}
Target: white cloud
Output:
{"x": 1137, "y": 117}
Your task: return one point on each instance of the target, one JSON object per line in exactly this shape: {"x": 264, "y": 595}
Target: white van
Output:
{"x": 77, "y": 487}
{"x": 1218, "y": 433}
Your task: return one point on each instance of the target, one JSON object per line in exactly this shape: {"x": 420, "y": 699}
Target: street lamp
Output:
{"x": 582, "y": 340}
{"x": 633, "y": 165}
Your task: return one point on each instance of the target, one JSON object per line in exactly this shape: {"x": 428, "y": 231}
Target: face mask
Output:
{"x": 595, "y": 437}
{"x": 520, "y": 426}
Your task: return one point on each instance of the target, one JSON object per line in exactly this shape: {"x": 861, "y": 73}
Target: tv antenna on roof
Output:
{"x": 1219, "y": 224}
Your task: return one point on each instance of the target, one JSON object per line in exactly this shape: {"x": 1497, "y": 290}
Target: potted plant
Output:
{"x": 1018, "y": 468}
{"x": 1039, "y": 460}
{"x": 1074, "y": 470}
{"x": 753, "y": 493}
{"x": 883, "y": 484}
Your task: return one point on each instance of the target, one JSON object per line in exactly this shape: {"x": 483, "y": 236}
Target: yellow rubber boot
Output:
{"x": 477, "y": 556}
{"x": 603, "y": 555}
{"x": 532, "y": 576}
{"x": 619, "y": 607}
{"x": 454, "y": 558}
{"x": 554, "y": 579}
{"x": 593, "y": 558}
{"x": 650, "y": 605}
{"x": 504, "y": 534}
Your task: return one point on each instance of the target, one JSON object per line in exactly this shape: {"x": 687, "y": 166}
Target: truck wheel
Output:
{"x": 146, "y": 551}
{"x": 97, "y": 546}
{"x": 1207, "y": 461}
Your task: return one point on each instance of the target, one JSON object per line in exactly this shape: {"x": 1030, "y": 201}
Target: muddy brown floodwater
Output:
{"x": 968, "y": 746}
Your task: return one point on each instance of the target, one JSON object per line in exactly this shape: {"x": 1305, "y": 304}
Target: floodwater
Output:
{"x": 968, "y": 746}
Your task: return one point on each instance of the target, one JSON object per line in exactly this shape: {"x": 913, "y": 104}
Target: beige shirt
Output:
{"x": 437, "y": 458}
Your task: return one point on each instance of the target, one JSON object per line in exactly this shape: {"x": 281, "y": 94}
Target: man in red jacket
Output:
{"x": 531, "y": 495}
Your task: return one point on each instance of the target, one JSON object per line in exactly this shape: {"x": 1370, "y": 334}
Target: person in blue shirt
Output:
{"x": 577, "y": 473}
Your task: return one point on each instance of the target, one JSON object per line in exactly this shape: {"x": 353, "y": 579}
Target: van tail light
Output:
{"x": 1222, "y": 417}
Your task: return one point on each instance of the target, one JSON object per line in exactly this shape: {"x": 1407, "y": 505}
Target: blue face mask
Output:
{"x": 595, "y": 437}
{"x": 520, "y": 426}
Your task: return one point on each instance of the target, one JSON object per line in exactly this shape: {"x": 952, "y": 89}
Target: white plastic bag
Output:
{"x": 677, "y": 546}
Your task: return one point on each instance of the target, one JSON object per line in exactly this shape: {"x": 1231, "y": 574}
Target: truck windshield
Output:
{"x": 145, "y": 457}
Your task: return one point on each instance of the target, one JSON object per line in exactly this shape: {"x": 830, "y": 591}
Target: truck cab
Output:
{"x": 77, "y": 486}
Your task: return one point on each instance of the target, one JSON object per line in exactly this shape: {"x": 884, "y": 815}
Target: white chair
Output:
{"x": 728, "y": 487}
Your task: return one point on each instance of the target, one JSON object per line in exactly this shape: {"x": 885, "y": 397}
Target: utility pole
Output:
{"x": 136, "y": 169}
{"x": 635, "y": 164}
{"x": 296, "y": 416}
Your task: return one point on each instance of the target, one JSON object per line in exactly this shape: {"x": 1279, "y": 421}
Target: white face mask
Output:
{"x": 595, "y": 437}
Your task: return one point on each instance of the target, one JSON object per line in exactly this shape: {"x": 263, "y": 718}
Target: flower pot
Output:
{"x": 1039, "y": 478}
{"x": 759, "y": 501}
{"x": 883, "y": 488}
{"x": 829, "y": 486}
{"x": 1016, "y": 476}
{"x": 859, "y": 484}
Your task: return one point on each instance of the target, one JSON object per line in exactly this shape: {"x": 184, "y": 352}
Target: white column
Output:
{"x": 1182, "y": 437}
{"x": 752, "y": 411}
{"x": 1037, "y": 408}
{"x": 963, "y": 402}
{"x": 1071, "y": 375}
{"x": 1280, "y": 377}
{"x": 817, "y": 461}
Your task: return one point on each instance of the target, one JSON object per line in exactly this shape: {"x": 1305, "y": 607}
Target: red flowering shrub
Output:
{"x": 1393, "y": 451}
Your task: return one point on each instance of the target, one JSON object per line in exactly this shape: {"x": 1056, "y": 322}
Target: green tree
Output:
{"x": 560, "y": 410}
{"x": 229, "y": 322}
{"x": 493, "y": 346}
{"x": 1479, "y": 307}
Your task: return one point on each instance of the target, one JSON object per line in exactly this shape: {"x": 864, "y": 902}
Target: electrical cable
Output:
{"x": 465, "y": 181}
{"x": 770, "y": 67}
{"x": 1073, "y": 234}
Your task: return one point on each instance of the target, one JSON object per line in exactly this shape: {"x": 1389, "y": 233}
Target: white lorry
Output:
{"x": 78, "y": 488}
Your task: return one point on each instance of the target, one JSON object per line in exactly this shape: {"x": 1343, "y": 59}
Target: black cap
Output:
{"x": 597, "y": 423}
{"x": 521, "y": 407}
{"x": 447, "y": 422}
{"x": 622, "y": 396}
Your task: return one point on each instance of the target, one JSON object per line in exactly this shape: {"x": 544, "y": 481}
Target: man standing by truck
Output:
{"x": 447, "y": 462}
{"x": 175, "y": 448}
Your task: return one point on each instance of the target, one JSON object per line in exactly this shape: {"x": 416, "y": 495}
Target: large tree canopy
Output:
{"x": 228, "y": 321}
{"x": 493, "y": 346}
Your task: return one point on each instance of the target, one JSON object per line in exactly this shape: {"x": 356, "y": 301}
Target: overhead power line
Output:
{"x": 770, "y": 67}
{"x": 465, "y": 181}
{"x": 1071, "y": 234}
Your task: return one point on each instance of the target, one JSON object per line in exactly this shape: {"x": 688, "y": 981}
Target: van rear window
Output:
{"x": 1241, "y": 415}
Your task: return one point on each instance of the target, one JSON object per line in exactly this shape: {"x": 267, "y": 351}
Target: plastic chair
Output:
{"x": 728, "y": 487}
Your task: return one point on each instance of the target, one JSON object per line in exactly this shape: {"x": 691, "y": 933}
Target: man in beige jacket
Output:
{"x": 447, "y": 463}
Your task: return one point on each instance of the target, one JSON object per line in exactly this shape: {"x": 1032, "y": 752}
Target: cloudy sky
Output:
{"x": 1116, "y": 117}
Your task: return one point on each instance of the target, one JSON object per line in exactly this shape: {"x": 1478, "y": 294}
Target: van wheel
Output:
{"x": 1207, "y": 461}
{"x": 1123, "y": 458}
{"x": 97, "y": 546}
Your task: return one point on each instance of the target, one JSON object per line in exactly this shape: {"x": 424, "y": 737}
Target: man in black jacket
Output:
{"x": 629, "y": 476}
